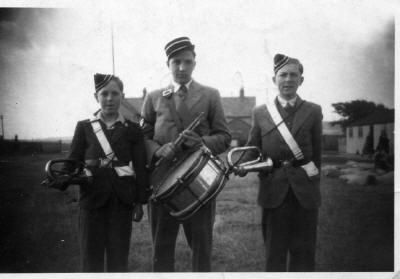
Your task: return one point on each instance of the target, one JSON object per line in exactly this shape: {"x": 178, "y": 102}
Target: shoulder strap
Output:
{"x": 105, "y": 145}
{"x": 101, "y": 137}
{"x": 283, "y": 129}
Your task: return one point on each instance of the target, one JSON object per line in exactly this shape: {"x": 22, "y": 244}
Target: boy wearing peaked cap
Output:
{"x": 112, "y": 147}
{"x": 189, "y": 98}
{"x": 289, "y": 131}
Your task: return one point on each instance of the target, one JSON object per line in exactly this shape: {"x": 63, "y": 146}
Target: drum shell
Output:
{"x": 201, "y": 182}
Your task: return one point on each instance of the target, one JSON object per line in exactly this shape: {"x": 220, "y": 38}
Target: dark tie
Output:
{"x": 181, "y": 107}
{"x": 182, "y": 92}
{"x": 289, "y": 108}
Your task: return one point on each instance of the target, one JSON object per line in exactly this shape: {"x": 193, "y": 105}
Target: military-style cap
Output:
{"x": 281, "y": 60}
{"x": 101, "y": 80}
{"x": 177, "y": 45}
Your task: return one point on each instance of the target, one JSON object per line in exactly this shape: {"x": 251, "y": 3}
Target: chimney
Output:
{"x": 241, "y": 92}
{"x": 144, "y": 92}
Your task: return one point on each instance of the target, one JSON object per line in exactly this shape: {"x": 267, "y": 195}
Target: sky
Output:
{"x": 48, "y": 55}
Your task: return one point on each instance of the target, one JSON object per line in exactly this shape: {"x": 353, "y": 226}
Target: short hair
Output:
{"x": 297, "y": 62}
{"x": 119, "y": 82}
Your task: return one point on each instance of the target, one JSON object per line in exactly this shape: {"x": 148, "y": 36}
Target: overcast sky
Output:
{"x": 48, "y": 56}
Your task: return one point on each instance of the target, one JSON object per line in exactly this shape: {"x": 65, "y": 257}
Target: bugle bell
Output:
{"x": 257, "y": 165}
{"x": 67, "y": 170}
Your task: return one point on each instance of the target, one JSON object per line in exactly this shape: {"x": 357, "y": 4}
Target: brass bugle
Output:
{"x": 78, "y": 172}
{"x": 257, "y": 165}
{"x": 52, "y": 174}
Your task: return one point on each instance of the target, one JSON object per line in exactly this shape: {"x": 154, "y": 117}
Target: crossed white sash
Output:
{"x": 310, "y": 167}
{"x": 105, "y": 145}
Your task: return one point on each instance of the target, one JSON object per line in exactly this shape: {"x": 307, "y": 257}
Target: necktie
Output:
{"x": 289, "y": 108}
{"x": 182, "y": 92}
{"x": 181, "y": 107}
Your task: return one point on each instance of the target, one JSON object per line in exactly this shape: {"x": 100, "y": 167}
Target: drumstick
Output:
{"x": 179, "y": 139}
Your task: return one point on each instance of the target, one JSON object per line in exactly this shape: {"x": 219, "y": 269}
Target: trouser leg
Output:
{"x": 92, "y": 229}
{"x": 303, "y": 239}
{"x": 276, "y": 227}
{"x": 264, "y": 216}
{"x": 164, "y": 231}
{"x": 119, "y": 229}
{"x": 198, "y": 231}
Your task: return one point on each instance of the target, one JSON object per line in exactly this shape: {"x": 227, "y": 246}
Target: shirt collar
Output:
{"x": 283, "y": 102}
{"x": 177, "y": 85}
{"x": 120, "y": 118}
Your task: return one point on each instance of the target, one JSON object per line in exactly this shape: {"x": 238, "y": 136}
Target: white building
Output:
{"x": 375, "y": 123}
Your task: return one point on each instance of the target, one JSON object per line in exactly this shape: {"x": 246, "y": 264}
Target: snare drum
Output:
{"x": 191, "y": 183}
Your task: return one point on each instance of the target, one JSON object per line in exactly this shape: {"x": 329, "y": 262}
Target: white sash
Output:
{"x": 310, "y": 168}
{"x": 105, "y": 145}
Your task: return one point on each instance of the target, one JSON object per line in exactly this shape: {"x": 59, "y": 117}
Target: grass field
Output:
{"x": 38, "y": 226}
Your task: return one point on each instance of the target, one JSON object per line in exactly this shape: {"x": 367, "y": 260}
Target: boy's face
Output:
{"x": 109, "y": 97}
{"x": 182, "y": 66}
{"x": 288, "y": 79}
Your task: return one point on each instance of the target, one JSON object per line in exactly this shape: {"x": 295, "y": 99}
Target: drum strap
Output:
{"x": 310, "y": 167}
{"x": 105, "y": 145}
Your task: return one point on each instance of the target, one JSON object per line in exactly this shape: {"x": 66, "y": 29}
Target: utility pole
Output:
{"x": 112, "y": 47}
{"x": 2, "y": 127}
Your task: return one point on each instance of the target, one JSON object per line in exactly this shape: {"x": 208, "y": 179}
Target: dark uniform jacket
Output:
{"x": 126, "y": 140}
{"x": 307, "y": 131}
{"x": 159, "y": 126}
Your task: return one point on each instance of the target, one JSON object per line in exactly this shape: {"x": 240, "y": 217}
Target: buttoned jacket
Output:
{"x": 126, "y": 140}
{"x": 307, "y": 131}
{"x": 159, "y": 126}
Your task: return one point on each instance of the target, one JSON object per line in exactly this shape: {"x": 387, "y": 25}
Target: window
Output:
{"x": 360, "y": 132}
{"x": 350, "y": 132}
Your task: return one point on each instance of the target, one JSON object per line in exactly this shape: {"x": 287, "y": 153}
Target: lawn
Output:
{"x": 38, "y": 226}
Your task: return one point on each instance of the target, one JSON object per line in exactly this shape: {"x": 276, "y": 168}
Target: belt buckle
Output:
{"x": 285, "y": 163}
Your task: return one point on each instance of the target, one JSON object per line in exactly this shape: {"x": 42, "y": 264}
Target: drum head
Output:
{"x": 179, "y": 170}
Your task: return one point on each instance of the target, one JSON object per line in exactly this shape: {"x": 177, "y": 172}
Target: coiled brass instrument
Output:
{"x": 64, "y": 172}
{"x": 258, "y": 165}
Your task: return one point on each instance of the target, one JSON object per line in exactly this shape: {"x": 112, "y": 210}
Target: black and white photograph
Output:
{"x": 211, "y": 139}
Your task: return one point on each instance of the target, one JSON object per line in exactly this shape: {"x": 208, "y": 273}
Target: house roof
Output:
{"x": 130, "y": 108}
{"x": 133, "y": 104}
{"x": 378, "y": 117}
{"x": 331, "y": 130}
{"x": 234, "y": 107}
{"x": 238, "y": 106}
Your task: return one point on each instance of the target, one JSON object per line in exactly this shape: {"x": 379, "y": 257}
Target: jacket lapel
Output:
{"x": 301, "y": 115}
{"x": 117, "y": 133}
{"x": 266, "y": 121}
{"x": 167, "y": 96}
{"x": 194, "y": 95}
